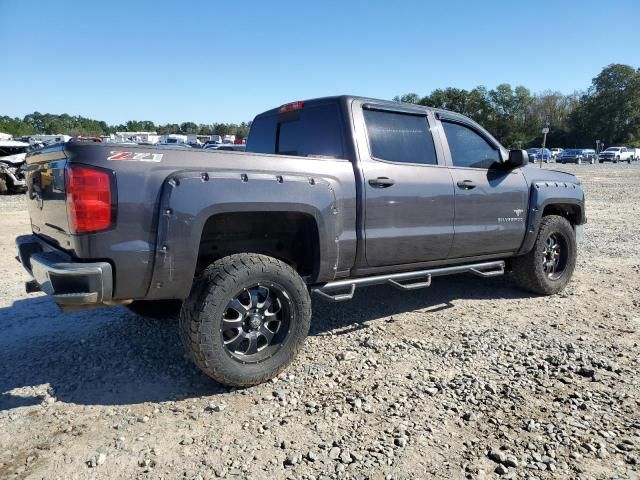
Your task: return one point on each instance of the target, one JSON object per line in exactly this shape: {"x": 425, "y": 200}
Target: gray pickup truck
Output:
{"x": 332, "y": 194}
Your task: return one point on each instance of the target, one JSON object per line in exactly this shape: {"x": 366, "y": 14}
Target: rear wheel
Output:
{"x": 246, "y": 319}
{"x": 3, "y": 186}
{"x": 548, "y": 267}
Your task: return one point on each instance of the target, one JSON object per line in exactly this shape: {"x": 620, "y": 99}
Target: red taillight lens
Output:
{"x": 290, "y": 107}
{"x": 88, "y": 199}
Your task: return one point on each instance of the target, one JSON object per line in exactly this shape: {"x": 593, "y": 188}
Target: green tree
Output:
{"x": 610, "y": 110}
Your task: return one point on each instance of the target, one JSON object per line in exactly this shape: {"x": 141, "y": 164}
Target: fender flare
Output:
{"x": 189, "y": 199}
{"x": 548, "y": 193}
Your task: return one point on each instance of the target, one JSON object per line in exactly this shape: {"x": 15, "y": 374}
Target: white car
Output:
{"x": 555, "y": 153}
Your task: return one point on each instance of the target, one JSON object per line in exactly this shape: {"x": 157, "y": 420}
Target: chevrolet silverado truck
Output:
{"x": 616, "y": 154}
{"x": 332, "y": 194}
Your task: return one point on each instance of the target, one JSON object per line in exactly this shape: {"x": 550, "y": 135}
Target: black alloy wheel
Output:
{"x": 255, "y": 322}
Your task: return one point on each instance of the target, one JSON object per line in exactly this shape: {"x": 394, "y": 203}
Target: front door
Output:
{"x": 490, "y": 200}
{"x": 408, "y": 196}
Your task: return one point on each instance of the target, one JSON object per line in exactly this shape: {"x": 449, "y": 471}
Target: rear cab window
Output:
{"x": 313, "y": 130}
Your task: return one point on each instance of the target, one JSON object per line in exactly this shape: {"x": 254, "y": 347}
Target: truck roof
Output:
{"x": 346, "y": 99}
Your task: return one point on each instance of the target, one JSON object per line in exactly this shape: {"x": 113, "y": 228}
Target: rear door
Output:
{"x": 490, "y": 200}
{"x": 407, "y": 191}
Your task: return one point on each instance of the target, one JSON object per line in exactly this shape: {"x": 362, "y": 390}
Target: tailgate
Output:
{"x": 46, "y": 194}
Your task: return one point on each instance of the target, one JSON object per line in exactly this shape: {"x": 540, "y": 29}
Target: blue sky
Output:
{"x": 210, "y": 61}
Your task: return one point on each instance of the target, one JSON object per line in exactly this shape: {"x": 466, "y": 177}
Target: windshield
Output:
{"x": 612, "y": 149}
{"x": 572, "y": 151}
{"x": 532, "y": 150}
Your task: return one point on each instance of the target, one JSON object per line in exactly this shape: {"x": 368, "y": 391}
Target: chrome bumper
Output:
{"x": 70, "y": 283}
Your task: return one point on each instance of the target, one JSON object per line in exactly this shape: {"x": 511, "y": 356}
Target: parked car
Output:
{"x": 12, "y": 159}
{"x": 173, "y": 145}
{"x": 578, "y": 155}
{"x": 537, "y": 154}
{"x": 555, "y": 153}
{"x": 635, "y": 153}
{"x": 333, "y": 194}
{"x": 616, "y": 154}
{"x": 230, "y": 147}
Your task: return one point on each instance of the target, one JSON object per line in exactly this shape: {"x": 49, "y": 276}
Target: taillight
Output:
{"x": 88, "y": 199}
{"x": 290, "y": 107}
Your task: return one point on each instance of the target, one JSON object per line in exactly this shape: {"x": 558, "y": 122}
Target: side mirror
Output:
{"x": 518, "y": 158}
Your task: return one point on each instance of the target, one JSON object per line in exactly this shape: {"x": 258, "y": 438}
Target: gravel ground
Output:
{"x": 471, "y": 378}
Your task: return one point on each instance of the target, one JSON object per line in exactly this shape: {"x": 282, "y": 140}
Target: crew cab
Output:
{"x": 332, "y": 194}
{"x": 578, "y": 156}
{"x": 616, "y": 154}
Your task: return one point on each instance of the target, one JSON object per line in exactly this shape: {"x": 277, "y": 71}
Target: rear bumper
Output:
{"x": 70, "y": 283}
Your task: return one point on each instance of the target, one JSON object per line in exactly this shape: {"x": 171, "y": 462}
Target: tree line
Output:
{"x": 51, "y": 124}
{"x": 608, "y": 111}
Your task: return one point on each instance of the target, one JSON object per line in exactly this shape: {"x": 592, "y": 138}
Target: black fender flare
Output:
{"x": 544, "y": 194}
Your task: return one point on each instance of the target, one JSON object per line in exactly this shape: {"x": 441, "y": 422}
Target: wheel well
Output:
{"x": 570, "y": 212}
{"x": 288, "y": 236}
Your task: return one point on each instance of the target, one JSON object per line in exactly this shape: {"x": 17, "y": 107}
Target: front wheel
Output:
{"x": 548, "y": 267}
{"x": 246, "y": 319}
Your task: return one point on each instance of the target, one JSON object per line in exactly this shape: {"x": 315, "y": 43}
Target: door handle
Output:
{"x": 381, "y": 182}
{"x": 466, "y": 184}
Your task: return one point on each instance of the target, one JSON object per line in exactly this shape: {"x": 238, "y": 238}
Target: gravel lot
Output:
{"x": 468, "y": 379}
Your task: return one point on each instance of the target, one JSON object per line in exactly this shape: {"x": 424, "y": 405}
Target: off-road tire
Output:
{"x": 4, "y": 188}
{"x": 201, "y": 317}
{"x": 156, "y": 309}
{"x": 528, "y": 271}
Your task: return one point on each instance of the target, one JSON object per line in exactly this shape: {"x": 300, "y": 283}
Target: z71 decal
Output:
{"x": 136, "y": 157}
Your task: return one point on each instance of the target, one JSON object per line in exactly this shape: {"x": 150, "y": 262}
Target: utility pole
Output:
{"x": 545, "y": 130}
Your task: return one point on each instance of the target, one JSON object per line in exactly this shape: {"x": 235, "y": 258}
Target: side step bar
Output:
{"x": 422, "y": 279}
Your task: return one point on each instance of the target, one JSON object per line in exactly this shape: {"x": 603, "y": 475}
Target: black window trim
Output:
{"x": 404, "y": 111}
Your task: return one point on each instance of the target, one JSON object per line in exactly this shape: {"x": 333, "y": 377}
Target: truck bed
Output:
{"x": 144, "y": 174}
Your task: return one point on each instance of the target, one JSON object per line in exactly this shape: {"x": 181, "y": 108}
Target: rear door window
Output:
{"x": 400, "y": 137}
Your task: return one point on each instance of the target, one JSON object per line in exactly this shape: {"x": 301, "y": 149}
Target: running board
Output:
{"x": 417, "y": 279}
